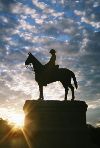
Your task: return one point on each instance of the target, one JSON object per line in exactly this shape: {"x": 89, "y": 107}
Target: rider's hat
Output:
{"x": 52, "y": 51}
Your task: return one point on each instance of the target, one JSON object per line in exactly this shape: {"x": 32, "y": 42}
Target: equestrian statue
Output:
{"x": 48, "y": 73}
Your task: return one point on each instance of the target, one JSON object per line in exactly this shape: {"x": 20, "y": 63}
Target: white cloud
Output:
{"x": 47, "y": 9}
{"x": 19, "y": 8}
{"x": 40, "y": 5}
{"x": 80, "y": 13}
{"x": 92, "y": 23}
{"x": 93, "y": 104}
{"x": 96, "y": 4}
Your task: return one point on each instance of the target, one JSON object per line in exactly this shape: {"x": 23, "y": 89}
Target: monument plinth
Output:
{"x": 56, "y": 124}
{"x": 56, "y": 114}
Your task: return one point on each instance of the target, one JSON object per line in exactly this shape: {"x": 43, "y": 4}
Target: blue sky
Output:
{"x": 70, "y": 27}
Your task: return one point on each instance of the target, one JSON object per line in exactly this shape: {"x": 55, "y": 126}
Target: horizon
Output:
{"x": 72, "y": 28}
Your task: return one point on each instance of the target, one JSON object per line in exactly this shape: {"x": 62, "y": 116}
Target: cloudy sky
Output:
{"x": 71, "y": 27}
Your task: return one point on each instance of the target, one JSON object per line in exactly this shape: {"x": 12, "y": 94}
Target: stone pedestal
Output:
{"x": 56, "y": 124}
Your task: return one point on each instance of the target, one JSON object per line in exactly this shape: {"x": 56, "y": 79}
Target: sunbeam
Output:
{"x": 27, "y": 139}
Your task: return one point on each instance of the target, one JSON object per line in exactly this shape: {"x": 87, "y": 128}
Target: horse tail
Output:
{"x": 74, "y": 79}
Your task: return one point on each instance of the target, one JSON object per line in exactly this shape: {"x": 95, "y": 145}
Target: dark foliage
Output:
{"x": 14, "y": 138}
{"x": 94, "y": 133}
{"x": 10, "y": 136}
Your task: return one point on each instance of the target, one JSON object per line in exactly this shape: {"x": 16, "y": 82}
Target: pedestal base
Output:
{"x": 56, "y": 124}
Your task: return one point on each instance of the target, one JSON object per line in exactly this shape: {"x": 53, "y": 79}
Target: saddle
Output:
{"x": 51, "y": 68}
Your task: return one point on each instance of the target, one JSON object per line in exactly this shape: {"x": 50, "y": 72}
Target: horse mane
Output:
{"x": 37, "y": 64}
{"x": 37, "y": 61}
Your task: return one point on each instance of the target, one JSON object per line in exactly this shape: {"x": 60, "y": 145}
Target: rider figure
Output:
{"x": 53, "y": 58}
{"x": 51, "y": 63}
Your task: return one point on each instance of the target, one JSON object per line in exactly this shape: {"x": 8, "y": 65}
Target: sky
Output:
{"x": 72, "y": 28}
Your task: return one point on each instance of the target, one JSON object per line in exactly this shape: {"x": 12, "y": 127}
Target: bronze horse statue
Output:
{"x": 44, "y": 76}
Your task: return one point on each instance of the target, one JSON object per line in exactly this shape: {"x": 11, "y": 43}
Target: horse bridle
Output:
{"x": 29, "y": 67}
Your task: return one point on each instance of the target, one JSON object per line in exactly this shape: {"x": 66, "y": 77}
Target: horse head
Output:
{"x": 33, "y": 60}
{"x": 29, "y": 59}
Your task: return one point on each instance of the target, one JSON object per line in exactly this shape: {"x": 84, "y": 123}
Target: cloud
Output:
{"x": 79, "y": 13}
{"x": 5, "y": 5}
{"x": 93, "y": 113}
{"x": 47, "y": 9}
{"x": 92, "y": 23}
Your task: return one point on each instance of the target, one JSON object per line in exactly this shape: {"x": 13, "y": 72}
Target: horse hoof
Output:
{"x": 40, "y": 99}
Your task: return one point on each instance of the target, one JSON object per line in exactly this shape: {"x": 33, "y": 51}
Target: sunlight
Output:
{"x": 17, "y": 120}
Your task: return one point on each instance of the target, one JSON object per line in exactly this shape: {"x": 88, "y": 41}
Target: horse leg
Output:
{"x": 66, "y": 93}
{"x": 66, "y": 89}
{"x": 72, "y": 89}
{"x": 41, "y": 92}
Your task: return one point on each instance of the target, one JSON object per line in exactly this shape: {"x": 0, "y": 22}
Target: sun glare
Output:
{"x": 17, "y": 120}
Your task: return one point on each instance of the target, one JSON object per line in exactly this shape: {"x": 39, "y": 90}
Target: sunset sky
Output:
{"x": 72, "y": 28}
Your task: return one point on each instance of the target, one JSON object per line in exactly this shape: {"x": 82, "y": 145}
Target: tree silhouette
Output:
{"x": 10, "y": 136}
{"x": 94, "y": 133}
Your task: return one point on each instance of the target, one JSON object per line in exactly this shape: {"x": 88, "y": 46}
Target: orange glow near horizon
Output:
{"x": 17, "y": 120}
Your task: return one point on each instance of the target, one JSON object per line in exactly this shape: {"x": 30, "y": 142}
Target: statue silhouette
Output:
{"x": 51, "y": 63}
{"x": 45, "y": 74}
